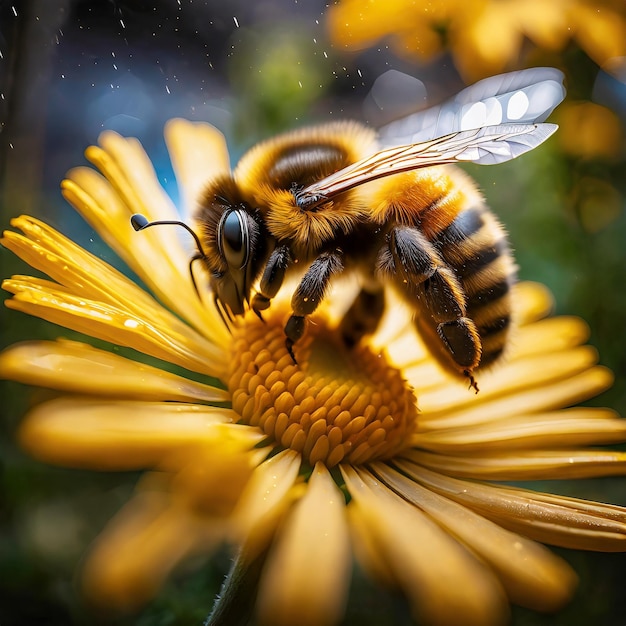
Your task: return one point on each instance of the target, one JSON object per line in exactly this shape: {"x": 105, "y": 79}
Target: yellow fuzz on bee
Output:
{"x": 334, "y": 405}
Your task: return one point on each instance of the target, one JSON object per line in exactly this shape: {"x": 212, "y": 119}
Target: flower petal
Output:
{"x": 556, "y": 393}
{"x": 570, "y": 427}
{"x": 532, "y": 302}
{"x": 548, "y": 335}
{"x": 599, "y": 31}
{"x": 442, "y": 579}
{"x": 266, "y": 497}
{"x": 199, "y": 154}
{"x": 305, "y": 578}
{"x": 526, "y": 464}
{"x": 142, "y": 545}
{"x": 367, "y": 551}
{"x": 86, "y": 276}
{"x": 145, "y": 332}
{"x": 538, "y": 370}
{"x": 554, "y": 519}
{"x": 155, "y": 255}
{"x": 67, "y": 263}
{"x": 80, "y": 368}
{"x": 212, "y": 472}
{"x": 532, "y": 576}
{"x": 104, "y": 434}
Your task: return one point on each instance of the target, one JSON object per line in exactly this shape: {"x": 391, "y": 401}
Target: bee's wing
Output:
{"x": 487, "y": 146}
{"x": 523, "y": 97}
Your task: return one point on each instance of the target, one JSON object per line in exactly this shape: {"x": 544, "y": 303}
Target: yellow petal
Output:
{"x": 213, "y": 471}
{"x": 558, "y": 520}
{"x": 199, "y": 154}
{"x": 591, "y": 130}
{"x": 553, "y": 395}
{"x": 487, "y": 44}
{"x": 70, "y": 265}
{"x": 80, "y": 368}
{"x": 305, "y": 579}
{"x": 532, "y": 302}
{"x": 532, "y": 576}
{"x": 548, "y": 335}
{"x": 354, "y": 26}
{"x": 145, "y": 332}
{"x": 537, "y": 371}
{"x": 264, "y": 500}
{"x": 133, "y": 557}
{"x": 526, "y": 464}
{"x": 104, "y": 434}
{"x": 571, "y": 427}
{"x": 367, "y": 551}
{"x": 155, "y": 254}
{"x": 599, "y": 31}
{"x": 552, "y": 31}
{"x": 442, "y": 579}
{"x": 395, "y": 324}
{"x": 421, "y": 40}
{"x": 86, "y": 276}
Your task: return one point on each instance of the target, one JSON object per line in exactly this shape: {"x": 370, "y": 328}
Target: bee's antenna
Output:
{"x": 139, "y": 222}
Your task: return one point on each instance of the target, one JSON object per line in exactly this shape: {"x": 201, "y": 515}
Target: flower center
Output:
{"x": 334, "y": 405}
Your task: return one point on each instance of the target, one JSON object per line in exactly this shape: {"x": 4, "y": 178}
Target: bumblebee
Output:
{"x": 388, "y": 205}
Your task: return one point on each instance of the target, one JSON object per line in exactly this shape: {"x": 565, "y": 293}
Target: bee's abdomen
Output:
{"x": 475, "y": 246}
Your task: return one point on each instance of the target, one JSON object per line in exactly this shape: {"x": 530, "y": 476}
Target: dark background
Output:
{"x": 71, "y": 68}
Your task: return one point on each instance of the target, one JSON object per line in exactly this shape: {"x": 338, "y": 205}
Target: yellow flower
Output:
{"x": 484, "y": 36}
{"x": 590, "y": 130}
{"x": 372, "y": 453}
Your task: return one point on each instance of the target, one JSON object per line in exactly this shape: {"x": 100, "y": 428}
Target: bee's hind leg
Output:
{"x": 364, "y": 314}
{"x": 437, "y": 297}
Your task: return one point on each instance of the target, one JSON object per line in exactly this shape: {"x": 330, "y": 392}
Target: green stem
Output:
{"x": 235, "y": 603}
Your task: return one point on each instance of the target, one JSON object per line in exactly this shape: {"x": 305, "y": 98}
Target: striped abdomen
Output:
{"x": 474, "y": 245}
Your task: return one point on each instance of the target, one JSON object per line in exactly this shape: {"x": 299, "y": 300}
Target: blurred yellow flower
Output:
{"x": 590, "y": 130}
{"x": 485, "y": 37}
{"x": 314, "y": 463}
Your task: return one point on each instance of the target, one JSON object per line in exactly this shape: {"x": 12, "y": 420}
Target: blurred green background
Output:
{"x": 71, "y": 68}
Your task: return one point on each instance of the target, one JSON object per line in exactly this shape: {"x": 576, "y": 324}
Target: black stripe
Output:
{"x": 464, "y": 225}
{"x": 486, "y": 296}
{"x": 482, "y": 258}
{"x": 494, "y": 326}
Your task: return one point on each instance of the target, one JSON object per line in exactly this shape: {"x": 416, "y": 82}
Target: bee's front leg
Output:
{"x": 272, "y": 279}
{"x": 309, "y": 293}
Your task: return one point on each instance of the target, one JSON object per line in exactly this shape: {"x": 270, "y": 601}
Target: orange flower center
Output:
{"x": 334, "y": 405}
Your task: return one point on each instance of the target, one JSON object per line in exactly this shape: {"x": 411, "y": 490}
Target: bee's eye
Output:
{"x": 233, "y": 238}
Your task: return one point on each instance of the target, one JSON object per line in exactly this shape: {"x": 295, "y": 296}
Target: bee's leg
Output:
{"x": 432, "y": 288}
{"x": 309, "y": 293}
{"x": 364, "y": 314}
{"x": 272, "y": 278}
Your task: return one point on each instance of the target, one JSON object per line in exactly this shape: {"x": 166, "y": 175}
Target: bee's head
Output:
{"x": 233, "y": 262}
{"x": 235, "y": 245}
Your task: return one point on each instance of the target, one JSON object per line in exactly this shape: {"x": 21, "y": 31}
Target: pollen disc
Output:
{"x": 334, "y": 405}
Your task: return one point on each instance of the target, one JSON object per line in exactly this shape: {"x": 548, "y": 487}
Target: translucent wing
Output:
{"x": 488, "y": 145}
{"x": 523, "y": 97}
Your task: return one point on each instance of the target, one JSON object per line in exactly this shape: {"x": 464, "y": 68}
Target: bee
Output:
{"x": 390, "y": 206}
